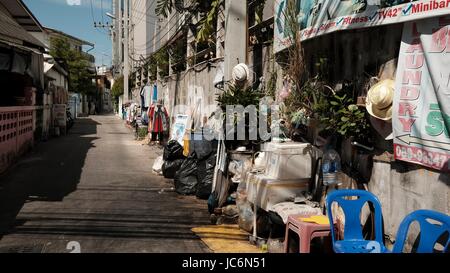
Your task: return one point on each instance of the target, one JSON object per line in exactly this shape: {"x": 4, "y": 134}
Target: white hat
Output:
{"x": 241, "y": 73}
{"x": 380, "y": 99}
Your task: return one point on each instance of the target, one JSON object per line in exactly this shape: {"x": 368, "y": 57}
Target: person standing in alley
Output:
{"x": 89, "y": 107}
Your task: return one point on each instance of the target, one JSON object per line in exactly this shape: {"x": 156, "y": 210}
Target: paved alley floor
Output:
{"x": 94, "y": 188}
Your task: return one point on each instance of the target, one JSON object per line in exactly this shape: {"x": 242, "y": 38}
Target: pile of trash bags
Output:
{"x": 192, "y": 175}
{"x": 173, "y": 159}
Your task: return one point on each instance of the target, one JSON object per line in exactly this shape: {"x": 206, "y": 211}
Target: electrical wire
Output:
{"x": 144, "y": 46}
{"x": 144, "y": 15}
{"x": 134, "y": 8}
{"x": 101, "y": 6}
{"x": 93, "y": 20}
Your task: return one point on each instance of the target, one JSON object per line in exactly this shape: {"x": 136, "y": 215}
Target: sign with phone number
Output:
{"x": 422, "y": 157}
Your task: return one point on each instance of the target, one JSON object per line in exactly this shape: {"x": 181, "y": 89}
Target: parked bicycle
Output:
{"x": 69, "y": 119}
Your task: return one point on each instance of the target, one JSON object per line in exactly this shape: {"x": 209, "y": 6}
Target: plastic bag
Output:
{"x": 205, "y": 177}
{"x": 186, "y": 177}
{"x": 173, "y": 151}
{"x": 246, "y": 216}
{"x": 170, "y": 168}
{"x": 157, "y": 165}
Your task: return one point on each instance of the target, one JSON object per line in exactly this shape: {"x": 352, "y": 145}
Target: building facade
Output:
{"x": 22, "y": 81}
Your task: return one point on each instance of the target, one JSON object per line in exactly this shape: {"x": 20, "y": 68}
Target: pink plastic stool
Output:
{"x": 306, "y": 232}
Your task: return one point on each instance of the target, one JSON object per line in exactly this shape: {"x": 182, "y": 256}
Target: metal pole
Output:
{"x": 120, "y": 34}
{"x": 126, "y": 53}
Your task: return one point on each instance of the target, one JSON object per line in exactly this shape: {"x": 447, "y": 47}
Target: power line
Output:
{"x": 93, "y": 19}
{"x": 101, "y": 5}
{"x": 145, "y": 15}
{"x": 184, "y": 22}
{"x": 162, "y": 37}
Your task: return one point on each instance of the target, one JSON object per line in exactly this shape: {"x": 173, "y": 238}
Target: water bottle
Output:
{"x": 331, "y": 167}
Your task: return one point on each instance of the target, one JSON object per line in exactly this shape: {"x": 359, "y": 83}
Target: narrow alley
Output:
{"x": 95, "y": 187}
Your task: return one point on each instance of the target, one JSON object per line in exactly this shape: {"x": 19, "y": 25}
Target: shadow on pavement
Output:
{"x": 49, "y": 173}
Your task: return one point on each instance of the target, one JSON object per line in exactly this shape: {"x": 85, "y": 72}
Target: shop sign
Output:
{"x": 179, "y": 128}
{"x": 421, "y": 118}
{"x": 59, "y": 115}
{"x": 318, "y": 17}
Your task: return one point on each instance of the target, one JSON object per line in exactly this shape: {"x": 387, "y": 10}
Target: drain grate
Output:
{"x": 23, "y": 249}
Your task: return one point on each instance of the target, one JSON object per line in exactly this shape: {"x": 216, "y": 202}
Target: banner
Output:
{"x": 421, "y": 117}
{"x": 59, "y": 115}
{"x": 318, "y": 17}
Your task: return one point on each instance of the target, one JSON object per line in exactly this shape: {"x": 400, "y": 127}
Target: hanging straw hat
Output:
{"x": 380, "y": 99}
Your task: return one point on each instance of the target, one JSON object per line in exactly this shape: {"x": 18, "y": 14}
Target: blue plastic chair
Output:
{"x": 354, "y": 241}
{"x": 430, "y": 233}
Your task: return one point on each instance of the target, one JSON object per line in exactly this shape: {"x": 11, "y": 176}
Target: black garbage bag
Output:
{"x": 202, "y": 144}
{"x": 173, "y": 151}
{"x": 205, "y": 177}
{"x": 170, "y": 168}
{"x": 186, "y": 177}
{"x": 213, "y": 202}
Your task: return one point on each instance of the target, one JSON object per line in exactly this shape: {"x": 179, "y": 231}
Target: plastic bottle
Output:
{"x": 331, "y": 167}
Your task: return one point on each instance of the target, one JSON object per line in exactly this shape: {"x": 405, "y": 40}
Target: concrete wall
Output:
{"x": 404, "y": 188}
{"x": 190, "y": 87}
{"x": 60, "y": 80}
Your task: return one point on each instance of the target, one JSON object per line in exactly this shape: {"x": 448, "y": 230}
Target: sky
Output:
{"x": 75, "y": 17}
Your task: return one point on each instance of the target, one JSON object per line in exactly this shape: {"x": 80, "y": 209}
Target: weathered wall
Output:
{"x": 403, "y": 188}
{"x": 190, "y": 87}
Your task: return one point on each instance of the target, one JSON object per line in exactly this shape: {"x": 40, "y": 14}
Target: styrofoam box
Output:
{"x": 290, "y": 160}
{"x": 265, "y": 192}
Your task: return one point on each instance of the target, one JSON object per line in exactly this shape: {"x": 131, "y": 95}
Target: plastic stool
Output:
{"x": 306, "y": 232}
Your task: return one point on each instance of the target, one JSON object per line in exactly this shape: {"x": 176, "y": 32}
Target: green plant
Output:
{"x": 77, "y": 65}
{"x": 259, "y": 11}
{"x": 153, "y": 68}
{"x": 207, "y": 24}
{"x": 342, "y": 116}
{"x": 208, "y": 9}
{"x": 162, "y": 60}
{"x": 117, "y": 89}
{"x": 234, "y": 96}
{"x": 178, "y": 54}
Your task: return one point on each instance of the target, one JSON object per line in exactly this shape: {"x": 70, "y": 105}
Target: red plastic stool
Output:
{"x": 306, "y": 232}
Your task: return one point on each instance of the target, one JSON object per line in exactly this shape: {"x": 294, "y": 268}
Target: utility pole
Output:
{"x": 126, "y": 73}
{"x": 120, "y": 34}
{"x": 236, "y": 36}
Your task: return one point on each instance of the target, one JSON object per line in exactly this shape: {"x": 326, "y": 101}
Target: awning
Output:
{"x": 47, "y": 67}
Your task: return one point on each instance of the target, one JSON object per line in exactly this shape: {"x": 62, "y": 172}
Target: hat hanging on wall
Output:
{"x": 380, "y": 100}
{"x": 241, "y": 73}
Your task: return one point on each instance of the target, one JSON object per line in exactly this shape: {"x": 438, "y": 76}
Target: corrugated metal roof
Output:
{"x": 82, "y": 42}
{"x": 20, "y": 12}
{"x": 11, "y": 31}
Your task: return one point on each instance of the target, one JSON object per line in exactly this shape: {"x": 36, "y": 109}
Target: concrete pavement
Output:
{"x": 95, "y": 187}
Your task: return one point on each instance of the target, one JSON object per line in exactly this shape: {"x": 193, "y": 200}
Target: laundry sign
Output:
{"x": 421, "y": 118}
